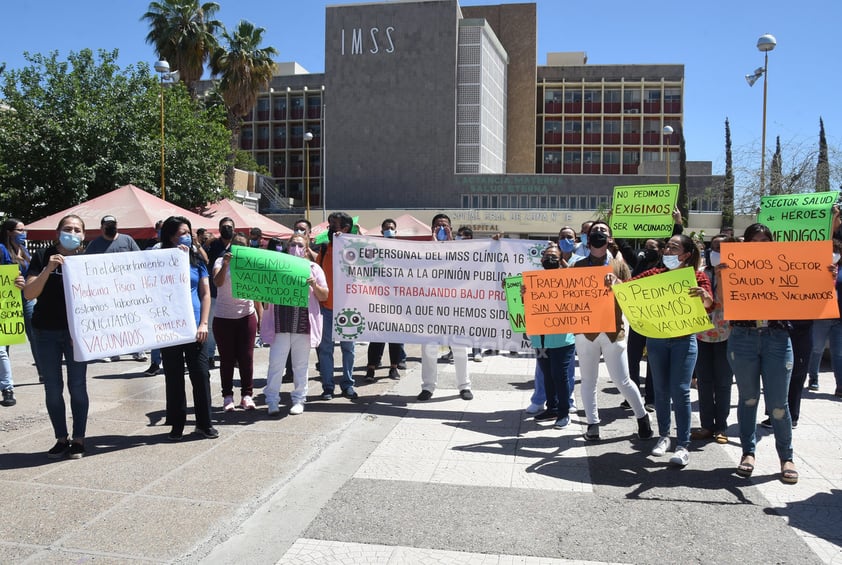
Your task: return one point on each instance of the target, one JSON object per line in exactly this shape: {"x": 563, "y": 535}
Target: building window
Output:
{"x": 562, "y": 201}
{"x": 611, "y": 157}
{"x": 466, "y": 201}
{"x": 572, "y": 126}
{"x": 572, "y": 96}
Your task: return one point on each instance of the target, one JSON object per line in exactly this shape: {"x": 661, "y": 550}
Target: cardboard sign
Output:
{"x": 798, "y": 217}
{"x": 643, "y": 211}
{"x": 514, "y": 303}
{"x": 11, "y": 307}
{"x": 660, "y": 305}
{"x": 269, "y": 276}
{"x": 778, "y": 281}
{"x": 568, "y": 301}
{"x": 127, "y": 302}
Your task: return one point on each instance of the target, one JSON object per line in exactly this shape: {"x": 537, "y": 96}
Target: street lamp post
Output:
{"x": 765, "y": 43}
{"x": 163, "y": 68}
{"x": 667, "y": 133}
{"x": 308, "y": 137}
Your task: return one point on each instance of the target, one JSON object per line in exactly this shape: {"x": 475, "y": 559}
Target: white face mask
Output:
{"x": 671, "y": 261}
{"x": 714, "y": 258}
{"x": 836, "y": 257}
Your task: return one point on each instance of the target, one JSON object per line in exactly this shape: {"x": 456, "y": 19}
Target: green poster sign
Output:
{"x": 798, "y": 217}
{"x": 11, "y": 307}
{"x": 643, "y": 211}
{"x": 514, "y": 302}
{"x": 269, "y": 276}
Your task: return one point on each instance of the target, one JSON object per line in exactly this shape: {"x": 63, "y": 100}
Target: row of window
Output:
{"x": 706, "y": 203}
{"x": 282, "y": 108}
{"x": 279, "y": 136}
{"x": 578, "y": 94}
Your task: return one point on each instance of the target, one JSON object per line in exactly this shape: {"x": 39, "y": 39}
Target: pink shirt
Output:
{"x": 227, "y": 306}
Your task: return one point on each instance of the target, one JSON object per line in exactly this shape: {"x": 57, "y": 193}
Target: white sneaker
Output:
{"x": 534, "y": 408}
{"x": 681, "y": 457}
{"x": 272, "y": 407}
{"x": 661, "y": 447}
{"x": 297, "y": 408}
{"x": 228, "y": 403}
{"x": 139, "y": 356}
{"x": 573, "y": 409}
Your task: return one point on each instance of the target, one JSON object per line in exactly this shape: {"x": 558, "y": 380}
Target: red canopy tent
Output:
{"x": 245, "y": 219}
{"x": 136, "y": 211}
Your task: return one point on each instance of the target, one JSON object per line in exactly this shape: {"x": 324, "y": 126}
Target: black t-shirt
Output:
{"x": 50, "y": 311}
{"x": 215, "y": 250}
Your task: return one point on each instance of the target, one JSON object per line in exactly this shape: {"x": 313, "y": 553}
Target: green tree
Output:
{"x": 822, "y": 166}
{"x": 245, "y": 69}
{"x": 728, "y": 189}
{"x": 183, "y": 33}
{"x": 82, "y": 127}
{"x": 776, "y": 170}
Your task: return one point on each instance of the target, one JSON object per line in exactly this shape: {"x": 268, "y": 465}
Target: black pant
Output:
{"x": 375, "y": 353}
{"x": 195, "y": 356}
{"x": 801, "y": 336}
{"x": 634, "y": 352}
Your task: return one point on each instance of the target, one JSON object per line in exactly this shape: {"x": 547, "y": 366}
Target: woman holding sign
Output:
{"x": 673, "y": 359}
{"x": 761, "y": 351}
{"x": 176, "y": 231}
{"x": 44, "y": 282}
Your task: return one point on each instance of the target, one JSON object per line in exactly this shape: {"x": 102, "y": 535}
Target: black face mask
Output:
{"x": 650, "y": 255}
{"x": 550, "y": 262}
{"x": 226, "y": 232}
{"x": 110, "y": 230}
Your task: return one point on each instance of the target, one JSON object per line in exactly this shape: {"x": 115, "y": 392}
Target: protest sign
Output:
{"x": 126, "y": 302}
{"x": 514, "y": 303}
{"x": 778, "y": 281}
{"x": 269, "y": 276}
{"x": 451, "y": 292}
{"x": 798, "y": 217}
{"x": 11, "y": 307}
{"x": 643, "y": 211}
{"x": 568, "y": 301}
{"x": 660, "y": 305}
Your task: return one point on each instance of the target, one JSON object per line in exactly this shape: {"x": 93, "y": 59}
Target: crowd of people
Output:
{"x": 779, "y": 354}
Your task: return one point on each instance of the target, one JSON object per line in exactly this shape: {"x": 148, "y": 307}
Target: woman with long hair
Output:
{"x": 176, "y": 231}
{"x": 44, "y": 282}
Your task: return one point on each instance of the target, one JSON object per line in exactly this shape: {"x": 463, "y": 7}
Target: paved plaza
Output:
{"x": 388, "y": 480}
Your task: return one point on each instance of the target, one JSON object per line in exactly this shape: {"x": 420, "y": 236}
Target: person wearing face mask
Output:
{"x": 338, "y": 223}
{"x": 13, "y": 252}
{"x": 255, "y": 237}
{"x": 235, "y": 326}
{"x": 291, "y": 331}
{"x": 554, "y": 354}
{"x": 824, "y": 330}
{"x": 389, "y": 229}
{"x": 112, "y": 242}
{"x": 44, "y": 282}
{"x": 673, "y": 359}
{"x": 609, "y": 345}
{"x": 303, "y": 227}
{"x": 713, "y": 371}
{"x": 216, "y": 249}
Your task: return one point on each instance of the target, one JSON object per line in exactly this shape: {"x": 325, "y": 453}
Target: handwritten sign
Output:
{"x": 643, "y": 211}
{"x": 269, "y": 276}
{"x": 127, "y": 302}
{"x": 778, "y": 281}
{"x": 568, "y": 301}
{"x": 450, "y": 293}
{"x": 660, "y": 306}
{"x": 798, "y": 217}
{"x": 514, "y": 303}
{"x": 11, "y": 307}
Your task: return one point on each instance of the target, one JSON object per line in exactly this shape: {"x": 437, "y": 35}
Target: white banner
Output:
{"x": 126, "y": 302}
{"x": 450, "y": 293}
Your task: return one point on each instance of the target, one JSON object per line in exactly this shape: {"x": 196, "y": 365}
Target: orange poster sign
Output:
{"x": 784, "y": 280}
{"x": 560, "y": 301}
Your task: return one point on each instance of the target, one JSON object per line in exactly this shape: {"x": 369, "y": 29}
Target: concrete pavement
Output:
{"x": 386, "y": 479}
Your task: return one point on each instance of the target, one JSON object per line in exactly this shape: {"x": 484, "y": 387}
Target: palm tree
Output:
{"x": 184, "y": 34}
{"x": 246, "y": 69}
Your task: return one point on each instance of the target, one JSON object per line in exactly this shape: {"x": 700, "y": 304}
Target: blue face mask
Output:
{"x": 69, "y": 241}
{"x": 671, "y": 261}
{"x": 20, "y": 238}
{"x": 441, "y": 234}
{"x": 388, "y": 233}
{"x": 566, "y": 245}
{"x": 185, "y": 240}
{"x": 584, "y": 238}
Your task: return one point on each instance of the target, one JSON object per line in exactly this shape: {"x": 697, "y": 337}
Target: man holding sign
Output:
{"x": 610, "y": 345}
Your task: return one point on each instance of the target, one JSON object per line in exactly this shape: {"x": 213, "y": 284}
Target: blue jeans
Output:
{"x": 6, "y": 381}
{"x": 554, "y": 363}
{"x": 763, "y": 354}
{"x": 672, "y": 361}
{"x": 52, "y": 345}
{"x": 325, "y": 351}
{"x": 831, "y": 331}
{"x": 539, "y": 395}
{"x": 714, "y": 377}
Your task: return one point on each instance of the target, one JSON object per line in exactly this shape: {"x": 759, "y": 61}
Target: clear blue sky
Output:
{"x": 715, "y": 40}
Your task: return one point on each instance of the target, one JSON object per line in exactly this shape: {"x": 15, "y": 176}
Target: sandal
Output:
{"x": 720, "y": 438}
{"x": 789, "y": 475}
{"x": 746, "y": 466}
